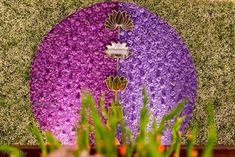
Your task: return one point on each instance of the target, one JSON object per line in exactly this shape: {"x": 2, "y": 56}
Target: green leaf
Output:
{"x": 171, "y": 115}
{"x": 12, "y": 151}
{"x": 38, "y": 135}
{"x": 191, "y": 140}
{"x": 101, "y": 105}
{"x": 175, "y": 143}
{"x": 144, "y": 113}
{"x": 212, "y": 132}
{"x": 53, "y": 142}
{"x": 83, "y": 129}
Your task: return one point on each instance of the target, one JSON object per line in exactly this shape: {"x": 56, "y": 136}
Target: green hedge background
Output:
{"x": 207, "y": 28}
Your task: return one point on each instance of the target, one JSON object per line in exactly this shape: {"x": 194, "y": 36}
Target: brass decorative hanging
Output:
{"x": 119, "y": 19}
{"x": 116, "y": 83}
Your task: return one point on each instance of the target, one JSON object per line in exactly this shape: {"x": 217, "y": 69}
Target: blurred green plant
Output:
{"x": 38, "y": 135}
{"x": 12, "y": 151}
{"x": 212, "y": 133}
{"x": 104, "y": 134}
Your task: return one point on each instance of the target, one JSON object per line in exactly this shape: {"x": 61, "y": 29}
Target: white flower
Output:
{"x": 117, "y": 50}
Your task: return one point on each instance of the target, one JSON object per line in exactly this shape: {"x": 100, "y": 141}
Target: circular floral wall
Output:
{"x": 71, "y": 58}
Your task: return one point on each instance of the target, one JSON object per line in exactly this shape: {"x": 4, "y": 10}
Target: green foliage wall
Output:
{"x": 207, "y": 28}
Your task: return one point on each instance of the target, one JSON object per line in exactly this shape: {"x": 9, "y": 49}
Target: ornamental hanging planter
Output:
{"x": 110, "y": 47}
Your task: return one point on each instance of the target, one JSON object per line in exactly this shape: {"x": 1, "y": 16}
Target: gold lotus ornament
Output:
{"x": 119, "y": 19}
{"x": 116, "y": 83}
{"x": 117, "y": 50}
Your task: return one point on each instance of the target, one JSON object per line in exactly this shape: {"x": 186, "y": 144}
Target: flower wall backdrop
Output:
{"x": 207, "y": 28}
{"x": 71, "y": 58}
